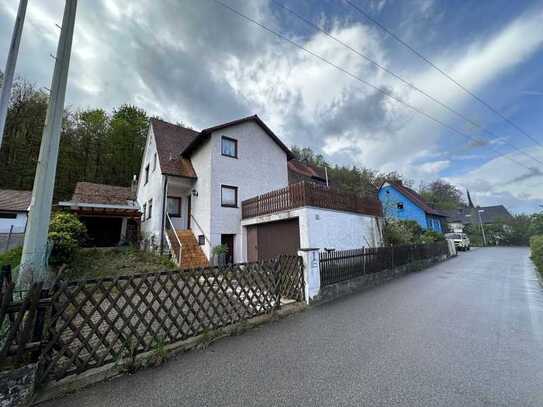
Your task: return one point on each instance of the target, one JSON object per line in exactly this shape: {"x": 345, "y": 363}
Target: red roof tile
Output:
{"x": 101, "y": 194}
{"x": 171, "y": 141}
{"x": 11, "y": 200}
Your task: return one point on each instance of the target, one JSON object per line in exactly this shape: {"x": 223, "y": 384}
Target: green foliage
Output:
{"x": 536, "y": 248}
{"x": 96, "y": 146}
{"x": 219, "y": 250}
{"x": 515, "y": 232}
{"x": 66, "y": 233}
{"x": 11, "y": 257}
{"x": 408, "y": 232}
{"x": 442, "y": 195}
{"x": 430, "y": 236}
{"x": 362, "y": 181}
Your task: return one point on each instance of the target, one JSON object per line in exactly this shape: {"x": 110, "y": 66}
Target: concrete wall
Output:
{"x": 19, "y": 223}
{"x": 330, "y": 229}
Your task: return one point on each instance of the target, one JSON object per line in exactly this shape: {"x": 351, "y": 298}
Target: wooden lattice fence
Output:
{"x": 95, "y": 322}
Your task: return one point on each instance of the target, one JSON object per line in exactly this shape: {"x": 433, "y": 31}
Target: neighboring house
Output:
{"x": 401, "y": 202}
{"x": 14, "y": 207}
{"x": 110, "y": 213}
{"x": 229, "y": 185}
{"x": 458, "y": 218}
{"x": 299, "y": 171}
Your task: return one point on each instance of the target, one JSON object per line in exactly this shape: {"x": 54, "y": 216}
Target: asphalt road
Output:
{"x": 468, "y": 332}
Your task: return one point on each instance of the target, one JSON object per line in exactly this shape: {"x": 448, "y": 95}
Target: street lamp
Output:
{"x": 479, "y": 211}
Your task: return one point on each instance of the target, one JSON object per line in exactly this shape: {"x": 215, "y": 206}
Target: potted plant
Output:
{"x": 219, "y": 253}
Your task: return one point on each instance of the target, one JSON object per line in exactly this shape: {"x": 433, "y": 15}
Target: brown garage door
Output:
{"x": 268, "y": 240}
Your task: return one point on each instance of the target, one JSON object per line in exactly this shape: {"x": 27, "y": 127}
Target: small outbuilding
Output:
{"x": 110, "y": 213}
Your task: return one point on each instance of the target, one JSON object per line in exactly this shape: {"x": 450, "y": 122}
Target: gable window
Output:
{"x": 174, "y": 206}
{"x": 150, "y": 209}
{"x": 147, "y": 174}
{"x": 229, "y": 196}
{"x": 154, "y": 163}
{"x": 229, "y": 147}
{"x": 143, "y": 212}
{"x": 400, "y": 205}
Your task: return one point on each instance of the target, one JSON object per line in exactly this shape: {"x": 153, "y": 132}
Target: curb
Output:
{"x": 110, "y": 371}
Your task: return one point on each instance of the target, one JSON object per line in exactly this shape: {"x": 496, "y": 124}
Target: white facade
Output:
{"x": 151, "y": 191}
{"x": 259, "y": 167}
{"x": 16, "y": 225}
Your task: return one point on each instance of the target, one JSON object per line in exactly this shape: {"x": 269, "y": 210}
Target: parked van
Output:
{"x": 461, "y": 240}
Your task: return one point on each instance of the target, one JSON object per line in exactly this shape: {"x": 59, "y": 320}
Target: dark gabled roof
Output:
{"x": 206, "y": 133}
{"x": 12, "y": 200}
{"x": 171, "y": 142}
{"x": 101, "y": 194}
{"x": 300, "y": 171}
{"x": 415, "y": 198}
{"x": 490, "y": 214}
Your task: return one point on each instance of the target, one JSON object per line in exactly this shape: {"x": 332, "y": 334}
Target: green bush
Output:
{"x": 66, "y": 233}
{"x": 536, "y": 247}
{"x": 407, "y": 232}
{"x": 429, "y": 236}
{"x": 11, "y": 257}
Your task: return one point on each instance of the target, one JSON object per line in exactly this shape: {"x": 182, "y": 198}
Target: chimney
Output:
{"x": 134, "y": 185}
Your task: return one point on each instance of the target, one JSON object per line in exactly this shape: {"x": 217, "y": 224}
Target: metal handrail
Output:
{"x": 170, "y": 224}
{"x": 201, "y": 229}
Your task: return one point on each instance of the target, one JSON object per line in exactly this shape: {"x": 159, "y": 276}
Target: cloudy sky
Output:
{"x": 196, "y": 62}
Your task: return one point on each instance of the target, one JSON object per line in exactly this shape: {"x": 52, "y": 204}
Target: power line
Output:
{"x": 353, "y": 76}
{"x": 442, "y": 72}
{"x": 404, "y": 81}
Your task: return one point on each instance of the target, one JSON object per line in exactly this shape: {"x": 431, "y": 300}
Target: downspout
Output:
{"x": 164, "y": 198}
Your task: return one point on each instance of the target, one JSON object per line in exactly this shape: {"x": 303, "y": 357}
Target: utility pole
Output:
{"x": 34, "y": 258}
{"x": 10, "y": 65}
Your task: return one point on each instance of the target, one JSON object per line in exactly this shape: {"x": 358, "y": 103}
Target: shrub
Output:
{"x": 11, "y": 257}
{"x": 66, "y": 233}
{"x": 536, "y": 247}
{"x": 429, "y": 236}
{"x": 401, "y": 232}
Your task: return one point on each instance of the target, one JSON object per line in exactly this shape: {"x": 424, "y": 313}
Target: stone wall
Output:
{"x": 343, "y": 288}
{"x": 17, "y": 386}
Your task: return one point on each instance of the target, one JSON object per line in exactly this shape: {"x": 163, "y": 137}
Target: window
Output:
{"x": 229, "y": 147}
{"x": 150, "y": 206}
{"x": 147, "y": 174}
{"x": 229, "y": 196}
{"x": 174, "y": 206}
{"x": 8, "y": 215}
{"x": 201, "y": 240}
{"x": 143, "y": 212}
{"x": 400, "y": 205}
{"x": 154, "y": 162}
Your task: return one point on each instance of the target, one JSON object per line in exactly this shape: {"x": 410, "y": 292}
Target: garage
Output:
{"x": 268, "y": 240}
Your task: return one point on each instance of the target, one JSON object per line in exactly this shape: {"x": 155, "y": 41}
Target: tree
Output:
{"x": 442, "y": 195}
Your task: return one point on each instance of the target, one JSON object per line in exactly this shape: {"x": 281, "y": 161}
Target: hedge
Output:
{"x": 536, "y": 247}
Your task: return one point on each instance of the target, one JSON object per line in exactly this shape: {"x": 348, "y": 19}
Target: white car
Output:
{"x": 461, "y": 240}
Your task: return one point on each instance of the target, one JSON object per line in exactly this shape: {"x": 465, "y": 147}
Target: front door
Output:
{"x": 228, "y": 241}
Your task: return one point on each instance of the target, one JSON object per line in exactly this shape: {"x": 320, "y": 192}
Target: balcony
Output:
{"x": 309, "y": 194}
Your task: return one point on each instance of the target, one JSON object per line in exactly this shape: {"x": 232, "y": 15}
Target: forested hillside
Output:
{"x": 96, "y": 145}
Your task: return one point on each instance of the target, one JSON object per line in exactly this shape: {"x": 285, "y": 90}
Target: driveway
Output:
{"x": 468, "y": 332}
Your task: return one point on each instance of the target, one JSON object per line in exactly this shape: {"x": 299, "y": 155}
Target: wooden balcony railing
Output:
{"x": 309, "y": 194}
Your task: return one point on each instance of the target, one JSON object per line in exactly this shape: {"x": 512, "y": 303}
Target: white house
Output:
{"x": 14, "y": 210}
{"x": 229, "y": 184}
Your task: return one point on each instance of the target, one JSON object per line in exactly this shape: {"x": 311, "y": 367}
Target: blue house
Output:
{"x": 402, "y": 203}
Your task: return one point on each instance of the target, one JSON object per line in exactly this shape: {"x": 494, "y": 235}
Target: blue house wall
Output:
{"x": 390, "y": 197}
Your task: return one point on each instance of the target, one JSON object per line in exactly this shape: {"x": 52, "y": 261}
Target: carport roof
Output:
{"x": 12, "y": 200}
